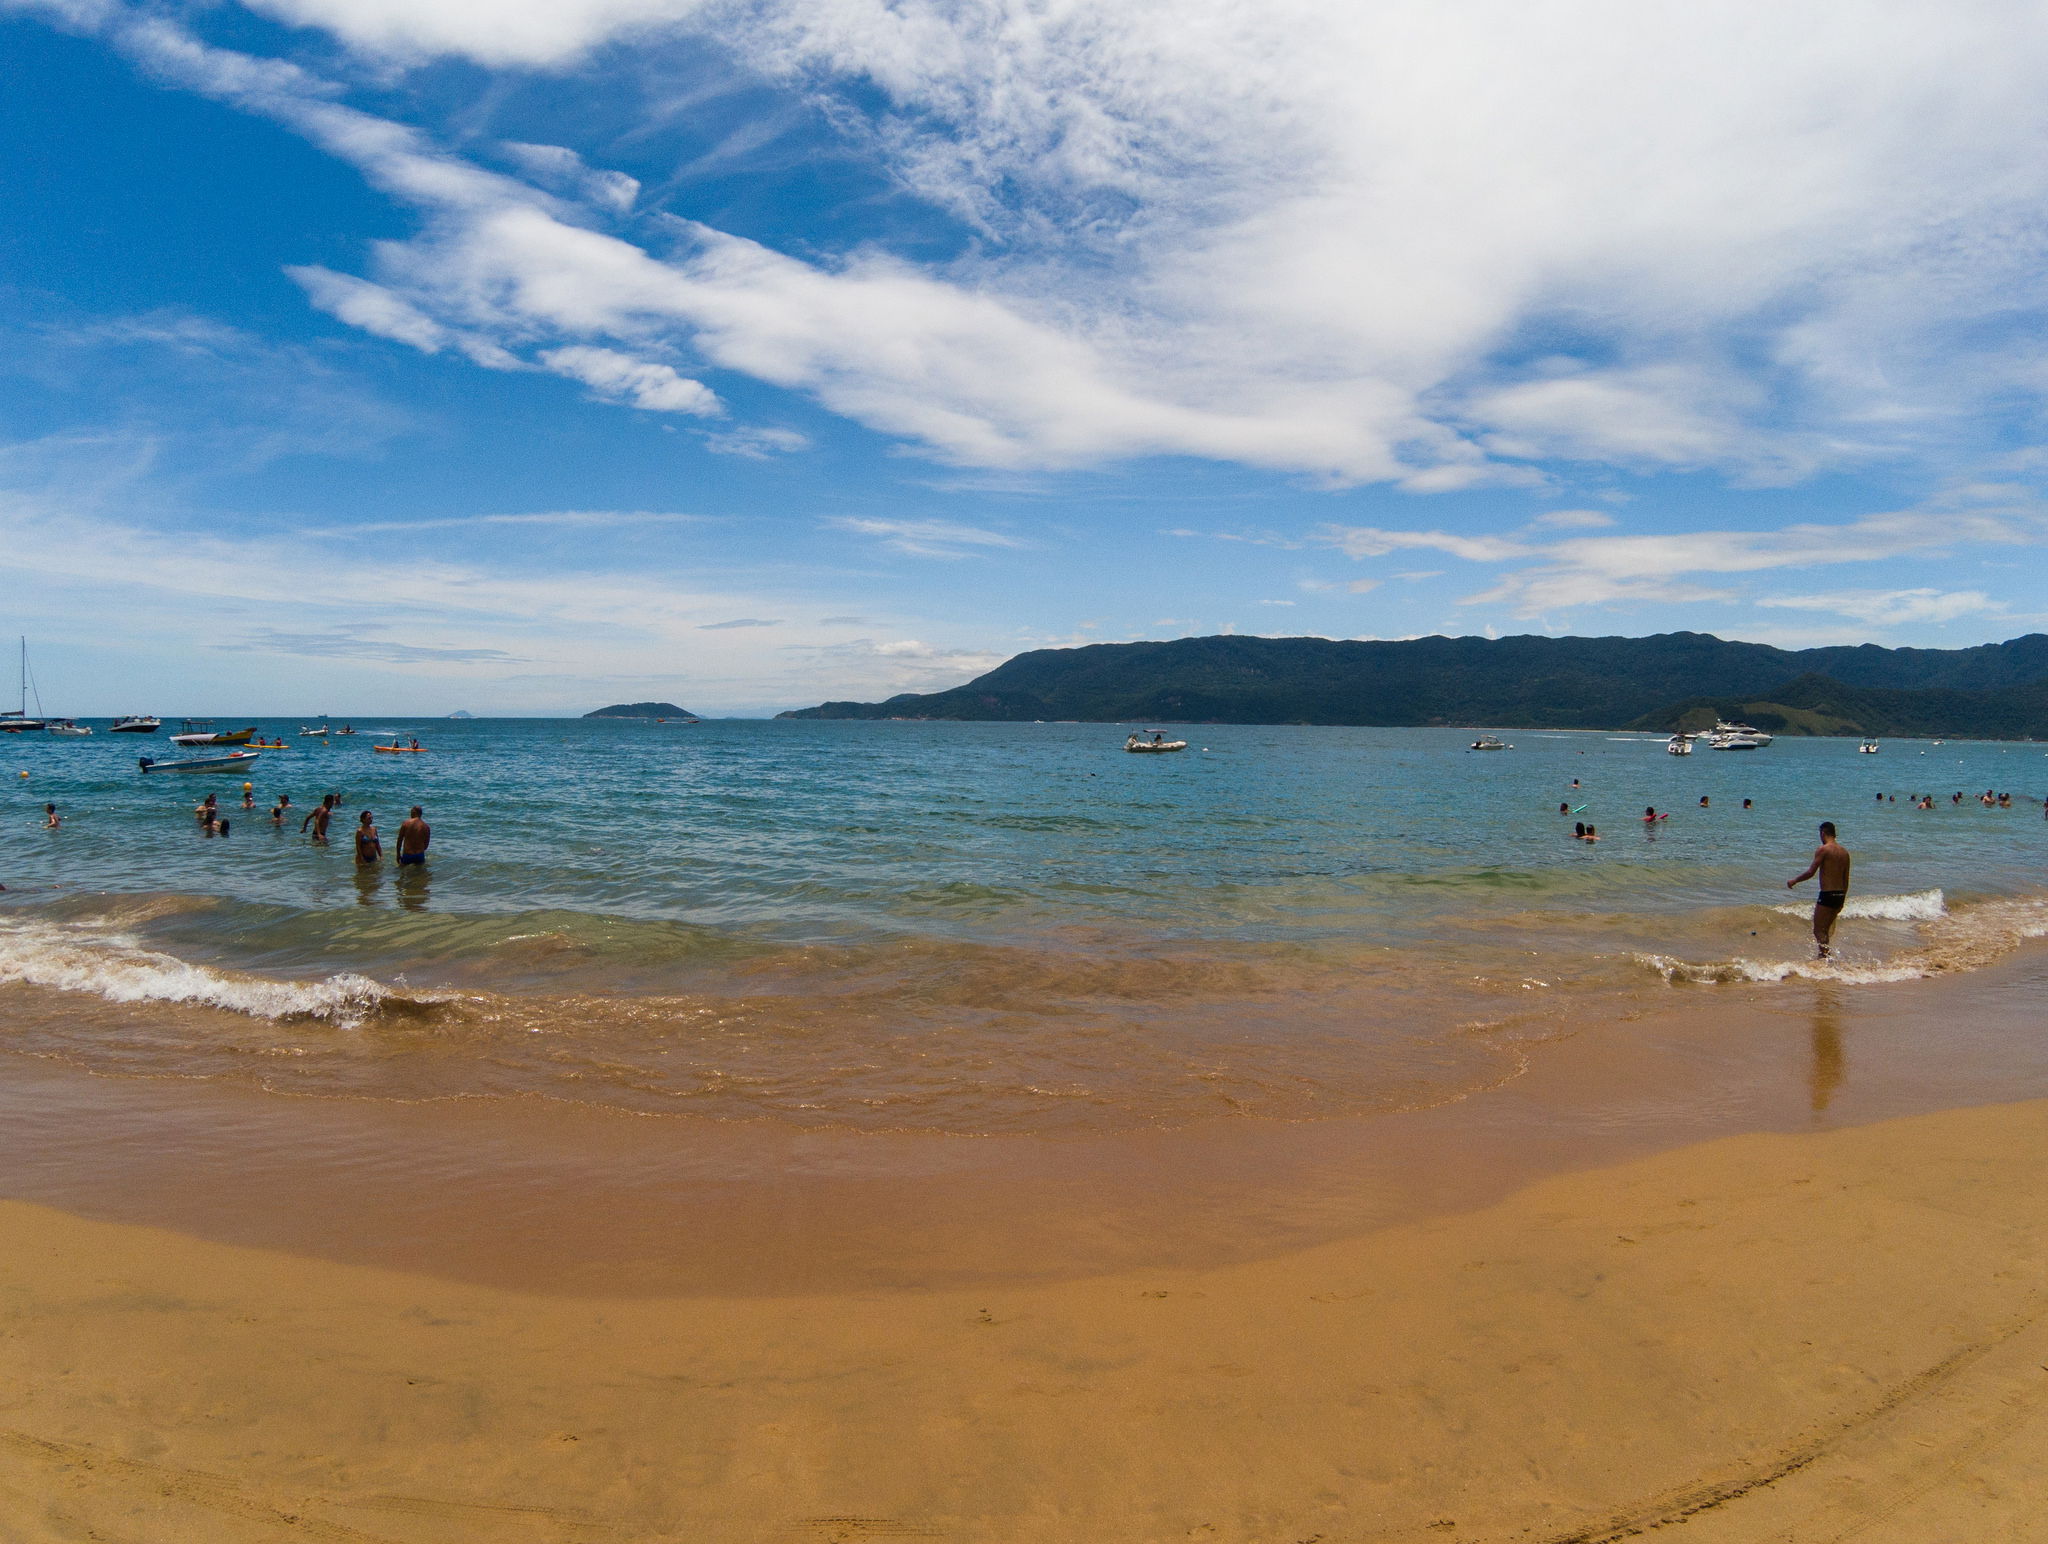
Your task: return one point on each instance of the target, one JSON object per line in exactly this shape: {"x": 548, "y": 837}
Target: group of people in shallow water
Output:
{"x": 1925, "y": 801}
{"x": 1581, "y": 832}
{"x": 414, "y": 834}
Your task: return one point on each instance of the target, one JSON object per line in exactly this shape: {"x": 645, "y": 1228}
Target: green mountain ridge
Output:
{"x": 1997, "y": 690}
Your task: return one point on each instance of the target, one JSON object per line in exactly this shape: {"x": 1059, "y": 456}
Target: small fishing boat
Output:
{"x": 1868, "y": 748}
{"x": 136, "y": 723}
{"x": 227, "y": 763}
{"x": 396, "y": 749}
{"x": 1158, "y": 742}
{"x": 320, "y": 733}
{"x": 200, "y": 731}
{"x": 65, "y": 726}
{"x": 1487, "y": 742}
{"x": 1678, "y": 745}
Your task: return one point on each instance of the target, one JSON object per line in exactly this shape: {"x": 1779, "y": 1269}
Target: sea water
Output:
{"x": 982, "y": 928}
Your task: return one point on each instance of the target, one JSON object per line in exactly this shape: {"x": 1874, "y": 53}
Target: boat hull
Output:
{"x": 228, "y": 763}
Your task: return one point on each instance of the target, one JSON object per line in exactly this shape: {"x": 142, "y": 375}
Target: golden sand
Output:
{"x": 1823, "y": 1337}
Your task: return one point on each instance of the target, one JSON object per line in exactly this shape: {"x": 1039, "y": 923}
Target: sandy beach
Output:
{"x": 1807, "y": 1337}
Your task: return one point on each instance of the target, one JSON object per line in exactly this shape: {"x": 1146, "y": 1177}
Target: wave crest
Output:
{"x": 120, "y": 970}
{"x": 1920, "y": 906}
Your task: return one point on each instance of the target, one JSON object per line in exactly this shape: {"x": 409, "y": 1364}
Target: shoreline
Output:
{"x": 1769, "y": 1336}
{"x": 537, "y": 1195}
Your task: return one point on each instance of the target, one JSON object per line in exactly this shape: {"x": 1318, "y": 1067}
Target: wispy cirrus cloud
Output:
{"x": 736, "y": 622}
{"x": 928, "y": 538}
{"x": 1892, "y": 608}
{"x": 569, "y": 519}
{"x": 349, "y": 643}
{"x": 1369, "y": 541}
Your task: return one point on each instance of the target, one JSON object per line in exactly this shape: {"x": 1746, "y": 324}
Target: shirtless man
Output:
{"x": 318, "y": 817}
{"x": 1831, "y": 862}
{"x": 413, "y": 837}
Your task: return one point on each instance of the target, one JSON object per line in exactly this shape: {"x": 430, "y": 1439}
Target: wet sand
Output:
{"x": 1769, "y": 1263}
{"x": 1810, "y": 1337}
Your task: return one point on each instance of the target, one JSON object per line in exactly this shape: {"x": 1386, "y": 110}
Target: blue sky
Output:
{"x": 428, "y": 354}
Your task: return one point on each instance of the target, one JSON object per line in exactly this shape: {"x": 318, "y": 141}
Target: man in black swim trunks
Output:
{"x": 1831, "y": 862}
{"x": 413, "y": 837}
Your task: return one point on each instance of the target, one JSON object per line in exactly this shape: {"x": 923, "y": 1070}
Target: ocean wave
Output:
{"x": 1920, "y": 906}
{"x": 120, "y": 970}
{"x": 1722, "y": 972}
{"x": 1950, "y": 942}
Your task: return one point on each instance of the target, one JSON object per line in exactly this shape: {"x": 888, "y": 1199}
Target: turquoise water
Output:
{"x": 965, "y": 925}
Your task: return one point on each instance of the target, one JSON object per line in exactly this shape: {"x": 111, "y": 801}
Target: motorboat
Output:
{"x": 1158, "y": 742}
{"x": 200, "y": 731}
{"x": 346, "y": 729}
{"x": 136, "y": 723}
{"x": 65, "y": 726}
{"x": 321, "y": 733}
{"x": 1678, "y": 745}
{"x": 1487, "y": 742}
{"x": 396, "y": 749}
{"x": 1722, "y": 729}
{"x": 226, "y": 763}
{"x": 21, "y": 721}
{"x": 1868, "y": 748}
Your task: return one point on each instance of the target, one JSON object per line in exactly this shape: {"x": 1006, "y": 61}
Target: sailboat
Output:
{"x": 19, "y": 722}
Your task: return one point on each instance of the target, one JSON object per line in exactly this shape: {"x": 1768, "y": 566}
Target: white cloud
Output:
{"x": 561, "y": 169}
{"x": 756, "y": 443}
{"x": 1292, "y": 234}
{"x": 1890, "y": 608}
{"x": 720, "y": 627}
{"x": 576, "y": 519}
{"x": 926, "y": 538}
{"x": 1370, "y": 541}
{"x": 1573, "y": 520}
{"x": 1594, "y": 570}
{"x": 643, "y": 383}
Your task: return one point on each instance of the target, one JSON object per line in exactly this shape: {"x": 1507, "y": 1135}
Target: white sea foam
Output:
{"x": 1719, "y": 972}
{"x": 1920, "y": 906}
{"x": 1949, "y": 942}
{"x": 119, "y": 969}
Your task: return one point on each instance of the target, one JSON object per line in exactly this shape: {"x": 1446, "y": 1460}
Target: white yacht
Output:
{"x": 1868, "y": 748}
{"x": 1678, "y": 745}
{"x": 1725, "y": 736}
{"x": 1487, "y": 742}
{"x": 136, "y": 723}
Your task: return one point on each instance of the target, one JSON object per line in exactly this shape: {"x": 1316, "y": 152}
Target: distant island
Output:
{"x": 642, "y": 710}
{"x": 462, "y": 713}
{"x": 1661, "y": 684}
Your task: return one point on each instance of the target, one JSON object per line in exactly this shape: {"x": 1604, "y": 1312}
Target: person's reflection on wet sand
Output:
{"x": 369, "y": 883}
{"x": 1830, "y": 1066}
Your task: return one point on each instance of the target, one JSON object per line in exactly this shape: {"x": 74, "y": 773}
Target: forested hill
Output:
{"x": 1998, "y": 689}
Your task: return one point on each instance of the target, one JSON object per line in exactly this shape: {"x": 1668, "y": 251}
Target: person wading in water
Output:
{"x": 1831, "y": 862}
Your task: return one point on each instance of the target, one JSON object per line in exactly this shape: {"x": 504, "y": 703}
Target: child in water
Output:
{"x": 51, "y": 819}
